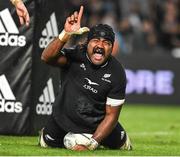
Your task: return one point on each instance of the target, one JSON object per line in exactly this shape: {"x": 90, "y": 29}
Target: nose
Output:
{"x": 100, "y": 44}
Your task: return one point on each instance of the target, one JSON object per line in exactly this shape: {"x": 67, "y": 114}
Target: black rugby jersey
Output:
{"x": 85, "y": 91}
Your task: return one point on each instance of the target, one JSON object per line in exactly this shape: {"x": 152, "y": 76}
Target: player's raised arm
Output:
{"x": 51, "y": 54}
{"x": 22, "y": 12}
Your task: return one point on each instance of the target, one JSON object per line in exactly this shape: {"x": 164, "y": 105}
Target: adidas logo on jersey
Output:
{"x": 46, "y": 100}
{"x": 9, "y": 33}
{"x": 8, "y": 101}
{"x": 49, "y": 32}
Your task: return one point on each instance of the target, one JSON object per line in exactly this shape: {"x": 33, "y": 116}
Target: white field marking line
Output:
{"x": 151, "y": 133}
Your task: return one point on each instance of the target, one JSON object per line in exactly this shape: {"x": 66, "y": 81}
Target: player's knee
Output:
{"x": 127, "y": 144}
{"x": 42, "y": 142}
{"x": 46, "y": 139}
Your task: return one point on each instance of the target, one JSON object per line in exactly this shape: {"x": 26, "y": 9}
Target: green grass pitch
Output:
{"x": 154, "y": 131}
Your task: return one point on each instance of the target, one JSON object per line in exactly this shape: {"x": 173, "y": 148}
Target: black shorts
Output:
{"x": 53, "y": 136}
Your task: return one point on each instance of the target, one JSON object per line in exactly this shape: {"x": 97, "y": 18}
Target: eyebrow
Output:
{"x": 102, "y": 39}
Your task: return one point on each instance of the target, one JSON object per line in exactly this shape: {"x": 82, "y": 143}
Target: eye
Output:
{"x": 106, "y": 42}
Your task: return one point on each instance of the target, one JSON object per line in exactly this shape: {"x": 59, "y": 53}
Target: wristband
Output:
{"x": 15, "y": 2}
{"x": 64, "y": 36}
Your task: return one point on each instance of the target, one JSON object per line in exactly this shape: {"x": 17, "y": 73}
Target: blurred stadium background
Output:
{"x": 147, "y": 43}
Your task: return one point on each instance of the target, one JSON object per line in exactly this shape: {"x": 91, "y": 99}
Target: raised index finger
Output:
{"x": 80, "y": 14}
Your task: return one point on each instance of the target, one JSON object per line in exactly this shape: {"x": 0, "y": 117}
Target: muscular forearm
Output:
{"x": 51, "y": 53}
{"x": 104, "y": 129}
{"x": 52, "y": 50}
{"x": 107, "y": 125}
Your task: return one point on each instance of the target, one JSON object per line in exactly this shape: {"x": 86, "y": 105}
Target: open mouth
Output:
{"x": 98, "y": 53}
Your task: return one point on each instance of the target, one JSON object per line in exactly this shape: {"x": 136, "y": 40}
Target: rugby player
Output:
{"x": 92, "y": 90}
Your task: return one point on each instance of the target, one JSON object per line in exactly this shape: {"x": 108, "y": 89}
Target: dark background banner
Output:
{"x": 45, "y": 79}
{"x": 15, "y": 71}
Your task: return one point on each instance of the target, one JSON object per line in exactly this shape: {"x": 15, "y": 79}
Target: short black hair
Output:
{"x": 102, "y": 30}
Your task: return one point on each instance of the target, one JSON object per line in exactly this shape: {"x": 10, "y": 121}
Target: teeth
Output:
{"x": 98, "y": 56}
